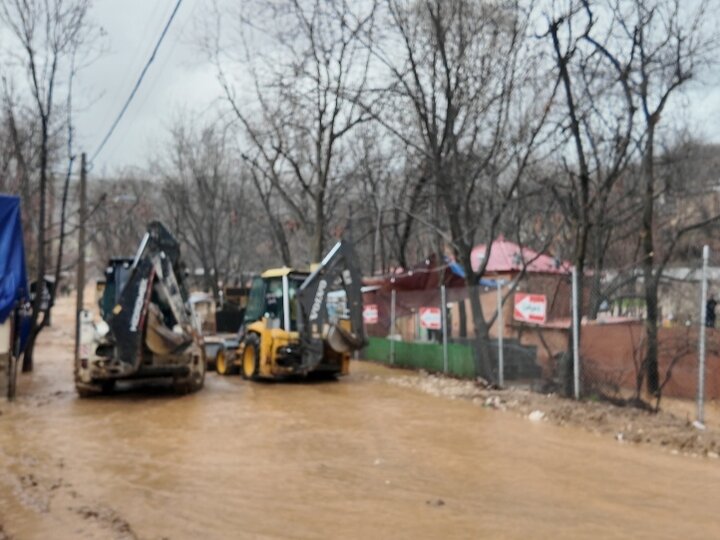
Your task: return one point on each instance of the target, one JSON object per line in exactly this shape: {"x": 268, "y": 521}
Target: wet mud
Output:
{"x": 358, "y": 458}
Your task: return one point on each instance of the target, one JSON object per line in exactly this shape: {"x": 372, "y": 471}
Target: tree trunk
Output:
{"x": 581, "y": 218}
{"x": 216, "y": 277}
{"x": 596, "y": 297}
{"x": 281, "y": 240}
{"x": 650, "y": 279}
{"x": 462, "y": 319}
{"x": 27, "y": 365}
{"x": 481, "y": 341}
{"x": 29, "y": 350}
{"x": 318, "y": 245}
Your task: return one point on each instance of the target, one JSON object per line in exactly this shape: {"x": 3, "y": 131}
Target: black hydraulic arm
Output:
{"x": 156, "y": 268}
{"x": 338, "y": 268}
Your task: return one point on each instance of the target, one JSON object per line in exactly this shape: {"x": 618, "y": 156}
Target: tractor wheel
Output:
{"x": 251, "y": 358}
{"x": 224, "y": 363}
{"x": 84, "y": 391}
{"x": 107, "y": 387}
{"x": 89, "y": 390}
{"x": 195, "y": 380}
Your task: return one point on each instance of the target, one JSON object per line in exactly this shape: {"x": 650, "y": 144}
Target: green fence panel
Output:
{"x": 378, "y": 349}
{"x": 427, "y": 356}
{"x": 461, "y": 362}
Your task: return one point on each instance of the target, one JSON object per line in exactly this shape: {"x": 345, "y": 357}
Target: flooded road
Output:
{"x": 356, "y": 458}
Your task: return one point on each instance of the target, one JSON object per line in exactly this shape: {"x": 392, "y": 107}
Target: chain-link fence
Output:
{"x": 439, "y": 330}
{"x": 530, "y": 335}
{"x": 624, "y": 355}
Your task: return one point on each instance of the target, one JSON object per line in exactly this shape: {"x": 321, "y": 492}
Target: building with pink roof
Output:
{"x": 509, "y": 258}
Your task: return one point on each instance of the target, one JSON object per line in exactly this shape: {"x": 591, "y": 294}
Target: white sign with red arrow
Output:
{"x": 431, "y": 318}
{"x": 531, "y": 308}
{"x": 370, "y": 314}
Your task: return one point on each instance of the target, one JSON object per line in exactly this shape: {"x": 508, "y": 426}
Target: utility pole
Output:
{"x": 81, "y": 253}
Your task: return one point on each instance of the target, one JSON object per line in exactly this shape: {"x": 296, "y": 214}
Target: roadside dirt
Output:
{"x": 624, "y": 424}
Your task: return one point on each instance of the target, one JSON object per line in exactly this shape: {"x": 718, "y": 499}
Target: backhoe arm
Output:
{"x": 156, "y": 279}
{"x": 338, "y": 269}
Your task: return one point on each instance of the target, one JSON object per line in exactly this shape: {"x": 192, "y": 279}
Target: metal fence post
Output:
{"x": 443, "y": 320}
{"x": 417, "y": 330}
{"x": 701, "y": 347}
{"x": 500, "y": 323}
{"x": 575, "y": 334}
{"x": 392, "y": 327}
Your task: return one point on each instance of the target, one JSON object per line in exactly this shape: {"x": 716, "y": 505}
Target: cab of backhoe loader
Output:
{"x": 273, "y": 297}
{"x": 270, "y": 321}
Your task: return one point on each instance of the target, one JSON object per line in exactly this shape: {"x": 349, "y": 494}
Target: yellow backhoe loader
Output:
{"x": 299, "y": 323}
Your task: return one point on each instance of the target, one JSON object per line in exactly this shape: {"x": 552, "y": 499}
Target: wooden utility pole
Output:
{"x": 81, "y": 253}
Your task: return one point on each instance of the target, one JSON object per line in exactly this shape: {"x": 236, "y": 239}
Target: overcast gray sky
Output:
{"x": 181, "y": 79}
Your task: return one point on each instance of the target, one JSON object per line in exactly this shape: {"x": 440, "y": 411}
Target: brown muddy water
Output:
{"x": 357, "y": 458}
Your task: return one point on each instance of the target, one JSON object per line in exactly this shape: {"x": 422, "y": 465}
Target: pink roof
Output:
{"x": 506, "y": 256}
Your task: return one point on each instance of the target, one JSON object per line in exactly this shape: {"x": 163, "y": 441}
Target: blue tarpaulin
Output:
{"x": 13, "y": 276}
{"x": 456, "y": 269}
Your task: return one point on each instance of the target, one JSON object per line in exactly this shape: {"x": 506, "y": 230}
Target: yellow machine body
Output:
{"x": 268, "y": 339}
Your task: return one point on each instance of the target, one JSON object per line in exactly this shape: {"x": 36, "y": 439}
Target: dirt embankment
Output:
{"x": 625, "y": 424}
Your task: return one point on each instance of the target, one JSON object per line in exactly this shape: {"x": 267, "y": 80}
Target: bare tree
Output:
{"x": 389, "y": 188}
{"x": 621, "y": 61}
{"x": 597, "y": 125}
{"x": 204, "y": 198}
{"x": 306, "y": 89}
{"x": 47, "y": 34}
{"x": 461, "y": 70}
{"x": 673, "y": 41}
{"x": 123, "y": 206}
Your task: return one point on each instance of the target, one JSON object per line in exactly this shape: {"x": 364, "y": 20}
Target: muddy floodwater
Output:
{"x": 357, "y": 458}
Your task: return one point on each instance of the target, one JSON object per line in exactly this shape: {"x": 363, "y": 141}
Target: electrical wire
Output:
{"x": 138, "y": 83}
{"x": 138, "y": 55}
{"x": 155, "y": 78}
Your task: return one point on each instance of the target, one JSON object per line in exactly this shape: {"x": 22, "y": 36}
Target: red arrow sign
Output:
{"x": 430, "y": 318}
{"x": 530, "y": 308}
{"x": 370, "y": 314}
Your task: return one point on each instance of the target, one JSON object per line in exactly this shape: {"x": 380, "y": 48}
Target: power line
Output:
{"x": 153, "y": 82}
{"x": 138, "y": 83}
{"x": 136, "y": 58}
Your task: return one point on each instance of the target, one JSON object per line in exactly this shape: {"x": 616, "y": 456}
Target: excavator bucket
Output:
{"x": 159, "y": 338}
{"x": 342, "y": 340}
